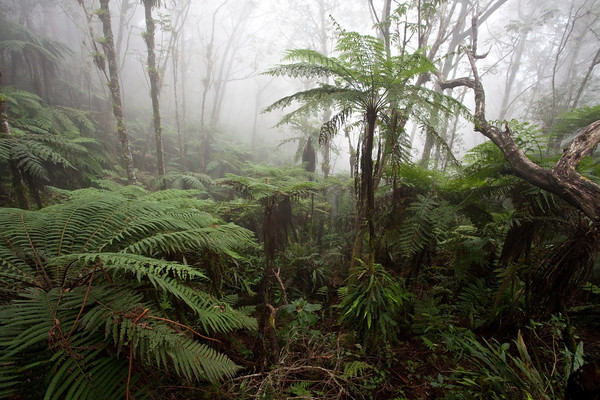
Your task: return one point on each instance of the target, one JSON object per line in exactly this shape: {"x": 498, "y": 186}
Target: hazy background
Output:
{"x": 211, "y": 55}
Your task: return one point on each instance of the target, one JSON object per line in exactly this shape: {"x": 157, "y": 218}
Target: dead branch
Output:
{"x": 563, "y": 180}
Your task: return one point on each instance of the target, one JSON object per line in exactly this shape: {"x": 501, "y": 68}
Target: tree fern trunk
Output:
{"x": 365, "y": 226}
{"x": 108, "y": 46}
{"x": 154, "y": 86}
{"x": 16, "y": 181}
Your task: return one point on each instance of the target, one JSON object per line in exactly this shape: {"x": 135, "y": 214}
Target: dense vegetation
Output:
{"x": 205, "y": 273}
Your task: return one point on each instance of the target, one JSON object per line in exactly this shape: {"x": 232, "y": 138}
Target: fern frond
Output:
{"x": 81, "y": 272}
{"x": 428, "y": 223}
{"x": 321, "y": 93}
{"x": 330, "y": 128}
{"x": 356, "y": 368}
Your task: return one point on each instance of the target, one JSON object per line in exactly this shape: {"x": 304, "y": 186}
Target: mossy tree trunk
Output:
{"x": 154, "y": 85}
{"x": 108, "y": 47}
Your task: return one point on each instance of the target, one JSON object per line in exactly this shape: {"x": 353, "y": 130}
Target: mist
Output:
{"x": 212, "y": 55}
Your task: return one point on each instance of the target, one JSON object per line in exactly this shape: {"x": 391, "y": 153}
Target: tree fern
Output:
{"x": 369, "y": 85}
{"x": 79, "y": 284}
{"x": 32, "y": 57}
{"x": 46, "y": 142}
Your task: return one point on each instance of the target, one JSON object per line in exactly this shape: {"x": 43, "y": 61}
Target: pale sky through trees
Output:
{"x": 539, "y": 53}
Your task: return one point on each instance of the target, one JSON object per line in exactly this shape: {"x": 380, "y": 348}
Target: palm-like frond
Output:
{"x": 369, "y": 84}
{"x": 323, "y": 93}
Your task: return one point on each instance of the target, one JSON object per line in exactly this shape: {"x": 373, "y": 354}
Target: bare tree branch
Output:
{"x": 563, "y": 180}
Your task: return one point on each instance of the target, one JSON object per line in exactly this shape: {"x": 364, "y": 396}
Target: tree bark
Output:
{"x": 154, "y": 87}
{"x": 515, "y": 65}
{"x": 108, "y": 47}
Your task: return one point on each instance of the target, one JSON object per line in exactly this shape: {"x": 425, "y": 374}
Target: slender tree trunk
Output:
{"x": 16, "y": 180}
{"x": 584, "y": 82}
{"x": 223, "y": 75}
{"x": 325, "y": 147}
{"x": 115, "y": 90}
{"x": 123, "y": 20}
{"x": 154, "y": 87}
{"x": 429, "y": 142}
{"x": 204, "y": 141}
{"x": 175, "y": 61}
{"x": 512, "y": 74}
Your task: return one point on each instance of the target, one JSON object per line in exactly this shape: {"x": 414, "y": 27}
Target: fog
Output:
{"x": 211, "y": 56}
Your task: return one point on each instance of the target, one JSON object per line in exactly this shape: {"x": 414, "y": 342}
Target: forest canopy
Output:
{"x": 376, "y": 199}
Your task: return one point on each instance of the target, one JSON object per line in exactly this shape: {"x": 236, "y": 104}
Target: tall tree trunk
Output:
{"x": 154, "y": 87}
{"x": 16, "y": 180}
{"x": 123, "y": 21}
{"x": 584, "y": 82}
{"x": 429, "y": 142}
{"x": 175, "y": 61}
{"x": 383, "y": 24}
{"x": 108, "y": 46}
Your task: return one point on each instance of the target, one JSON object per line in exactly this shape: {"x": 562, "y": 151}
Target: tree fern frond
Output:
{"x": 300, "y": 70}
{"x": 29, "y": 163}
{"x": 87, "y": 377}
{"x": 311, "y": 95}
{"x": 216, "y": 238}
{"x": 428, "y": 223}
{"x": 45, "y": 153}
{"x": 187, "y": 357}
{"x": 32, "y": 50}
{"x": 80, "y": 272}
{"x": 330, "y": 128}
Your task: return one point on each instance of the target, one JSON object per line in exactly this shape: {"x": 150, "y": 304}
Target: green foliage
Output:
{"x": 32, "y": 58}
{"x": 475, "y": 302}
{"x": 307, "y": 269}
{"x": 366, "y": 80}
{"x": 47, "y": 143}
{"x": 184, "y": 181}
{"x": 531, "y": 372}
{"x": 303, "y": 314}
{"x": 83, "y": 287}
{"x": 371, "y": 305}
{"x": 428, "y": 223}
{"x": 365, "y": 77}
{"x": 432, "y": 314}
{"x": 356, "y": 368}
{"x": 569, "y": 122}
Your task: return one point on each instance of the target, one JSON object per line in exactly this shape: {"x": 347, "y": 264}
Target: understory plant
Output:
{"x": 96, "y": 295}
{"x": 535, "y": 366}
{"x": 371, "y": 304}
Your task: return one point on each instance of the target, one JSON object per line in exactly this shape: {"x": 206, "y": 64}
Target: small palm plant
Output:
{"x": 85, "y": 292}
